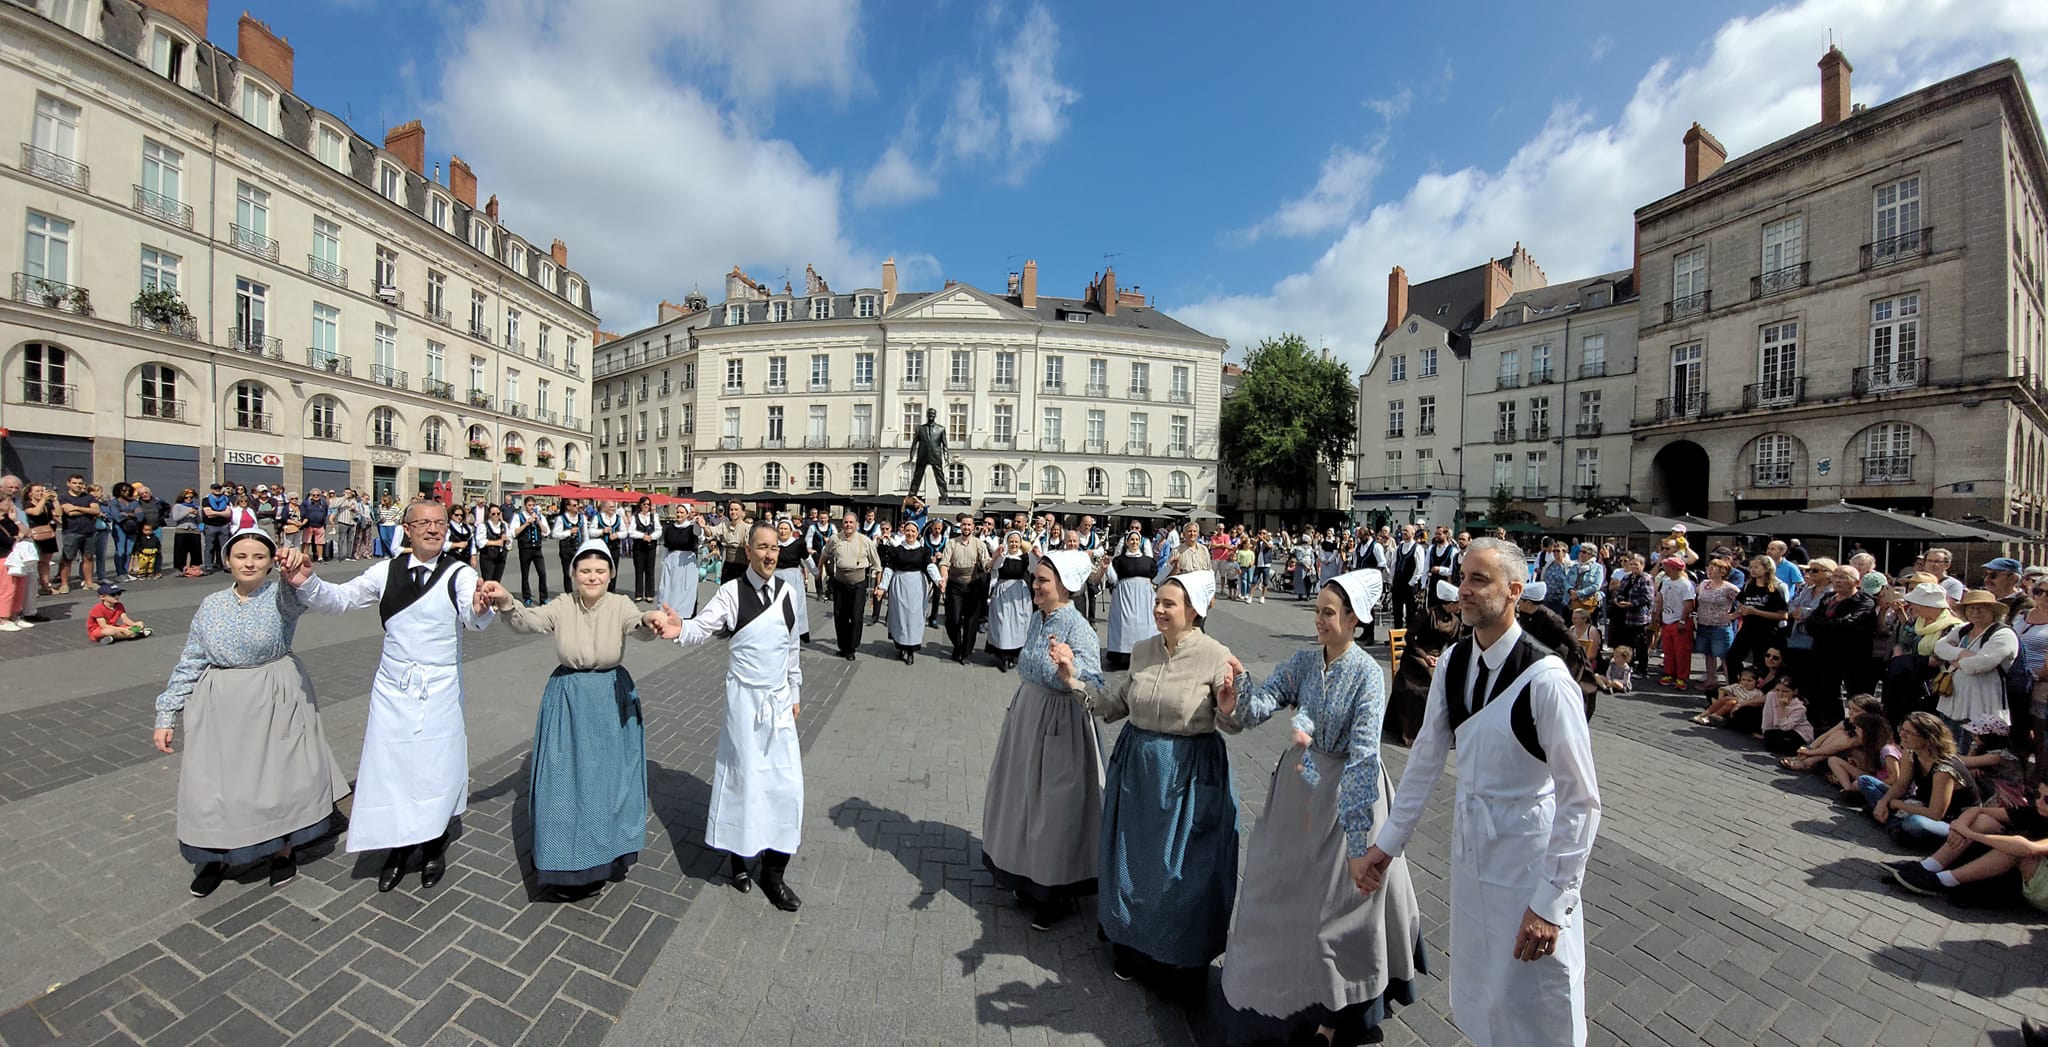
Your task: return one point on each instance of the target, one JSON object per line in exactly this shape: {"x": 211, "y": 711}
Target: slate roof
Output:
{"x": 1049, "y": 310}
{"x": 1555, "y": 300}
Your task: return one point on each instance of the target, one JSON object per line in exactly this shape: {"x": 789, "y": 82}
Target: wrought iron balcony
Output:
{"x": 1541, "y": 490}
{"x": 1052, "y": 388}
{"x": 481, "y": 400}
{"x": 1778, "y": 281}
{"x": 1098, "y": 390}
{"x": 333, "y": 363}
{"x": 168, "y": 410}
{"x": 1770, "y": 474}
{"x": 436, "y": 444}
{"x": 383, "y": 439}
{"x": 48, "y": 394}
{"x": 771, "y": 443}
{"x": 604, "y": 440}
{"x": 320, "y": 269}
{"x": 392, "y": 297}
{"x": 162, "y": 208}
{"x": 54, "y": 167}
{"x": 437, "y": 388}
{"x": 390, "y": 377}
{"x": 1540, "y": 376}
{"x": 252, "y": 422}
{"x": 252, "y": 242}
{"x": 1593, "y": 369}
{"x": 1052, "y": 443}
{"x": 253, "y": 341}
{"x": 820, "y": 386}
{"x": 1586, "y": 492}
{"x": 1508, "y": 381}
{"x": 1536, "y": 432}
{"x": 1054, "y": 487}
{"x": 1778, "y": 392}
{"x": 1000, "y": 443}
{"x": 571, "y": 366}
{"x": 1906, "y": 246}
{"x": 863, "y": 385}
{"x": 1888, "y": 469}
{"x": 1132, "y": 490}
{"x": 1096, "y": 491}
{"x": 913, "y": 385}
{"x": 735, "y": 387}
{"x": 1689, "y": 405}
{"x": 439, "y": 315}
{"x": 1095, "y": 447}
{"x": 1395, "y": 432}
{"x": 547, "y": 359}
{"x": 959, "y": 385}
{"x": 549, "y": 417}
{"x": 661, "y": 432}
{"x": 1002, "y": 385}
{"x": 176, "y": 326}
{"x": 52, "y": 294}
{"x": 1889, "y": 378}
{"x": 1176, "y": 450}
{"x": 1504, "y": 434}
{"x": 1180, "y": 396}
{"x": 774, "y": 388}
{"x": 860, "y": 443}
{"x": 1134, "y": 447}
{"x": 1426, "y": 429}
{"x": 325, "y": 430}
{"x": 817, "y": 442}
{"x": 1587, "y": 429}
{"x": 479, "y": 330}
{"x": 515, "y": 346}
{"x": 1138, "y": 392}
{"x": 1687, "y": 306}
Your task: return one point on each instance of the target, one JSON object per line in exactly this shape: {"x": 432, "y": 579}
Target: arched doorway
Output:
{"x": 1678, "y": 479}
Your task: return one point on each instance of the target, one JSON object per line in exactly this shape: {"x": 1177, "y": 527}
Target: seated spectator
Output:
{"x": 108, "y": 620}
{"x": 1872, "y": 754}
{"x": 1732, "y": 697}
{"x": 2001, "y": 774}
{"x": 1915, "y": 807}
{"x": 1835, "y": 740}
{"x": 1619, "y": 677}
{"x": 1995, "y": 852}
{"x": 1785, "y": 727}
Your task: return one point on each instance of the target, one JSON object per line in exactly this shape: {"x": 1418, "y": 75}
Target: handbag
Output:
{"x": 43, "y": 532}
{"x": 1944, "y": 684}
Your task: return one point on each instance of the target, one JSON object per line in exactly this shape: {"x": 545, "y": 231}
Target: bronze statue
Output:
{"x": 928, "y": 449}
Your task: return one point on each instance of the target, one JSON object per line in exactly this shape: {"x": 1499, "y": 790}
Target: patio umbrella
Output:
{"x": 1204, "y": 514}
{"x": 1002, "y": 509}
{"x": 554, "y": 491}
{"x": 1844, "y": 520}
{"x": 1070, "y": 508}
{"x": 1630, "y": 523}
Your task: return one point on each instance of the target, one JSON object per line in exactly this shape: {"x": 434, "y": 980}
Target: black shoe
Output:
{"x": 1045, "y": 916}
{"x": 282, "y": 870}
{"x": 207, "y": 878}
{"x": 394, "y": 868}
{"x": 560, "y": 893}
{"x": 2033, "y": 1035}
{"x": 1917, "y": 879}
{"x": 741, "y": 881}
{"x": 1126, "y": 966}
{"x": 910, "y": 657}
{"x": 848, "y": 655}
{"x": 778, "y": 892}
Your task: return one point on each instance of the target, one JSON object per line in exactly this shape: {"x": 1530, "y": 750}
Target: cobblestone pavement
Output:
{"x": 1727, "y": 902}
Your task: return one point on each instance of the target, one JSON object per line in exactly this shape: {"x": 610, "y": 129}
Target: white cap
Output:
{"x": 1072, "y": 567}
{"x": 593, "y": 545}
{"x": 1535, "y": 591}
{"x": 1446, "y": 591}
{"x": 1201, "y": 590}
{"x": 257, "y": 533}
{"x": 1363, "y": 589}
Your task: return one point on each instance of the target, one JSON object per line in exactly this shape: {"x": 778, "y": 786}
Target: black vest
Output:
{"x": 1457, "y": 680}
{"x": 1404, "y": 564}
{"x": 751, "y": 606}
{"x": 400, "y": 592}
{"x": 677, "y": 538}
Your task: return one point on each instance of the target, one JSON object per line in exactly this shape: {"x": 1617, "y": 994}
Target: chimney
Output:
{"x": 269, "y": 53}
{"x": 1397, "y": 300}
{"x": 408, "y": 142}
{"x": 1704, "y": 155}
{"x": 1834, "y": 86}
{"x": 1499, "y": 285}
{"x": 189, "y": 13}
{"x": 813, "y": 283}
{"x": 561, "y": 253}
{"x": 669, "y": 311}
{"x": 462, "y": 182}
{"x": 1027, "y": 285}
{"x": 889, "y": 285}
{"x": 491, "y": 207}
{"x": 1106, "y": 292}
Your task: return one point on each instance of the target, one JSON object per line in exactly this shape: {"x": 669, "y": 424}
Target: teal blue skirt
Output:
{"x": 1168, "y": 876}
{"x": 589, "y": 786}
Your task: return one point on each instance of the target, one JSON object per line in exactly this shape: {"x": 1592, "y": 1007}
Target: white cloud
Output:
{"x": 896, "y": 179}
{"x": 654, "y": 185}
{"x": 972, "y": 130}
{"x": 1013, "y": 131}
{"x": 1568, "y": 192}
{"x": 1600, "y": 46}
{"x": 1036, "y": 100}
{"x": 1394, "y": 106}
{"x": 1343, "y": 185}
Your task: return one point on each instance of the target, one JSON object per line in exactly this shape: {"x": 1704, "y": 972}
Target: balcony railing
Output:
{"x": 52, "y": 167}
{"x": 518, "y": 410}
{"x": 515, "y": 346}
{"x": 481, "y": 400}
{"x": 547, "y": 359}
{"x": 440, "y": 316}
{"x": 1770, "y": 474}
{"x": 772, "y": 443}
{"x": 570, "y": 365}
{"x": 1098, "y": 390}
{"x": 1586, "y": 492}
{"x": 480, "y": 330}
{"x": 383, "y": 439}
{"x": 1536, "y": 490}
{"x": 1536, "y": 432}
{"x": 1003, "y": 385}
{"x": 728, "y": 443}
{"x": 253, "y": 341}
{"x": 735, "y": 387}
{"x": 1137, "y": 491}
{"x": 863, "y": 385}
{"x": 661, "y": 432}
{"x": 1052, "y": 443}
{"x": 325, "y": 430}
{"x": 1054, "y": 487}
{"x": 333, "y": 363}
{"x": 1134, "y": 447}
{"x": 251, "y": 422}
{"x": 1000, "y": 443}
{"x": 1138, "y": 392}
{"x": 604, "y": 404}
{"x": 1504, "y": 434}
{"x": 1687, "y": 406}
{"x": 817, "y": 442}
{"x": 1095, "y": 447}
{"x": 1426, "y": 429}
{"x": 168, "y": 410}
{"x": 1052, "y": 388}
{"x": 48, "y": 394}
{"x": 773, "y": 388}
{"x": 390, "y": 377}
{"x": 1095, "y": 491}
{"x": 252, "y": 242}
{"x": 1395, "y": 432}
{"x": 176, "y": 326}
{"x": 604, "y": 440}
{"x": 1176, "y": 450}
{"x": 913, "y": 385}
{"x": 860, "y": 443}
{"x": 1778, "y": 392}
{"x": 1889, "y": 378}
{"x": 52, "y": 294}
{"x": 959, "y": 385}
{"x": 1778, "y": 281}
{"x": 1687, "y": 306}
{"x": 642, "y": 397}
{"x": 1905, "y": 247}
{"x": 542, "y": 414}
{"x": 392, "y": 297}
{"x": 163, "y": 208}
{"x": 1586, "y": 429}
{"x": 1180, "y": 396}
{"x": 1540, "y": 376}
{"x": 820, "y": 386}
{"x": 1888, "y": 469}
{"x": 1508, "y": 381}
{"x": 437, "y": 388}
{"x": 1593, "y": 369}
{"x": 321, "y": 269}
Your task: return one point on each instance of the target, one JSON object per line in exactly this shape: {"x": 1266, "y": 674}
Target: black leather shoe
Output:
{"x": 737, "y": 872}
{"x": 778, "y": 892}
{"x": 910, "y": 657}
{"x": 394, "y": 869}
{"x": 435, "y": 865}
{"x": 208, "y": 878}
{"x": 2032, "y": 1035}
{"x": 282, "y": 870}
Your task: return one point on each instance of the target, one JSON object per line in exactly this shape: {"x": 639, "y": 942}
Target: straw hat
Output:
{"x": 1981, "y": 598}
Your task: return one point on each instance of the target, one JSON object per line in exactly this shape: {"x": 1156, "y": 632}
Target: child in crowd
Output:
{"x": 2001, "y": 777}
{"x": 1785, "y": 726}
{"x": 1733, "y": 696}
{"x": 108, "y": 620}
{"x": 1835, "y": 740}
{"x": 1873, "y": 752}
{"x": 1619, "y": 677}
{"x": 145, "y": 553}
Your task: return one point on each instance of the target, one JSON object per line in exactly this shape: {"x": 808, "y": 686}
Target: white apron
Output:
{"x": 679, "y": 577}
{"x": 757, "y": 790}
{"x": 1505, "y": 805}
{"x": 414, "y": 775}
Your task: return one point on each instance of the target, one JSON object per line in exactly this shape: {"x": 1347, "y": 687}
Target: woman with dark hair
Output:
{"x": 1308, "y": 944}
{"x": 1873, "y": 754}
{"x": 1009, "y": 601}
{"x": 492, "y": 542}
{"x": 1129, "y": 575}
{"x": 1915, "y": 807}
{"x": 792, "y": 562}
{"x": 644, "y": 530}
{"x": 908, "y": 574}
{"x": 184, "y": 527}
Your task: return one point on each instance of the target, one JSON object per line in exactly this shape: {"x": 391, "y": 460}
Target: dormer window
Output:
{"x": 1077, "y": 318}
{"x": 390, "y": 184}
{"x": 735, "y": 315}
{"x": 257, "y": 104}
{"x": 437, "y": 212}
{"x": 167, "y": 56}
{"x": 778, "y": 311}
{"x": 479, "y": 235}
{"x": 821, "y": 308}
{"x": 74, "y": 15}
{"x": 575, "y": 293}
{"x": 515, "y": 256}
{"x": 329, "y": 147}
{"x": 547, "y": 275}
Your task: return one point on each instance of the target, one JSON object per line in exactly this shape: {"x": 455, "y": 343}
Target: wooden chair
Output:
{"x": 1397, "y": 640}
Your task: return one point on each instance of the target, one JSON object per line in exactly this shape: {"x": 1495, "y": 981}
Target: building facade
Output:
{"x": 220, "y": 280}
{"x": 1853, "y": 312}
{"x": 1101, "y": 400}
{"x": 1550, "y": 388}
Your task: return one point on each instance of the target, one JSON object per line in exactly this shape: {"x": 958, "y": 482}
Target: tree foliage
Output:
{"x": 1292, "y": 409}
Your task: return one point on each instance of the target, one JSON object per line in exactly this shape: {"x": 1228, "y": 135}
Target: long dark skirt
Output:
{"x": 589, "y": 785}
{"x": 1169, "y": 846}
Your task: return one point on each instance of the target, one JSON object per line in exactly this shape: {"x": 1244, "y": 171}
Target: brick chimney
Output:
{"x": 1027, "y": 286}
{"x": 561, "y": 253}
{"x": 1704, "y": 155}
{"x": 1397, "y": 300}
{"x": 491, "y": 207}
{"x": 269, "y": 53}
{"x": 189, "y": 13}
{"x": 462, "y": 182}
{"x": 408, "y": 142}
{"x": 889, "y": 285}
{"x": 1500, "y": 285}
{"x": 1834, "y": 87}
{"x": 1106, "y": 292}
{"x": 669, "y": 311}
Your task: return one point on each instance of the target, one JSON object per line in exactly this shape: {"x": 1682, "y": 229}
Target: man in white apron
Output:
{"x": 757, "y": 791}
{"x": 414, "y": 776}
{"x": 1528, "y": 807}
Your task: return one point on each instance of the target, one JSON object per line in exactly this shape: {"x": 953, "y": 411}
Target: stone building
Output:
{"x": 1852, "y": 312}
{"x": 221, "y": 280}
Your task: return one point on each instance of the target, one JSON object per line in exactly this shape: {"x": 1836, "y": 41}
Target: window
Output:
{"x": 775, "y": 434}
{"x": 1589, "y": 412}
{"x": 1424, "y": 466}
{"x": 1503, "y": 472}
{"x": 437, "y": 365}
{"x": 1001, "y": 478}
{"x": 515, "y": 256}
{"x": 1536, "y": 478}
{"x": 1051, "y": 480}
{"x": 1177, "y": 485}
{"x": 957, "y": 420}
{"x": 72, "y": 14}
{"x": 778, "y": 373}
{"x": 735, "y": 315}
{"x": 384, "y": 355}
{"x": 1180, "y": 388}
{"x": 960, "y": 370}
{"x": 511, "y": 389}
{"x": 249, "y": 407}
{"x": 858, "y": 476}
{"x": 913, "y": 416}
{"x": 1510, "y": 369}
{"x": 1055, "y": 373}
{"x": 1177, "y": 434}
{"x": 252, "y": 216}
{"x": 913, "y": 368}
{"x": 160, "y": 392}
{"x": 167, "y": 56}
{"x": 863, "y": 370}
{"x": 163, "y": 178}
{"x": 1894, "y": 344}
{"x": 1688, "y": 280}
{"x": 256, "y": 103}
{"x": 1050, "y": 428}
{"x": 479, "y": 234}
{"x": 1003, "y": 424}
{"x": 437, "y": 211}
{"x": 864, "y": 423}
{"x": 1138, "y": 484}
{"x": 1539, "y": 363}
{"x": 1688, "y": 376}
{"x": 326, "y": 260}
{"x": 386, "y": 270}
{"x": 956, "y": 477}
{"x": 1784, "y": 249}
{"x": 1397, "y": 368}
{"x": 1888, "y": 453}
{"x": 1425, "y": 416}
{"x": 252, "y": 313}
{"x": 864, "y": 306}
{"x": 43, "y": 370}
{"x": 1098, "y": 482}
{"x": 1098, "y": 377}
{"x": 327, "y": 145}
{"x": 1397, "y": 417}
{"x": 731, "y": 430}
{"x": 821, "y": 309}
{"x": 735, "y": 375}
{"x": 1593, "y": 356}
{"x": 325, "y": 418}
{"x": 48, "y": 252}
{"x": 56, "y": 134}
{"x": 1098, "y": 432}
{"x": 384, "y": 427}
{"x": 159, "y": 270}
{"x": 1539, "y": 418}
{"x": 1141, "y": 379}
{"x": 816, "y": 434}
{"x": 778, "y": 311}
{"x": 1773, "y": 465}
{"x": 771, "y": 476}
{"x": 1504, "y": 421}
{"x": 814, "y": 475}
{"x": 821, "y": 372}
{"x": 437, "y": 297}
{"x": 512, "y": 341}
{"x": 1777, "y": 366}
{"x": 1586, "y": 468}
{"x": 729, "y": 477}
{"x": 1140, "y": 434}
{"x": 326, "y": 337}
{"x": 1897, "y": 209}
{"x": 1428, "y": 361}
{"x": 476, "y": 376}
{"x": 541, "y": 342}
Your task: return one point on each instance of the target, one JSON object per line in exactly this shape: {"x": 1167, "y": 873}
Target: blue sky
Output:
{"x": 1254, "y": 176}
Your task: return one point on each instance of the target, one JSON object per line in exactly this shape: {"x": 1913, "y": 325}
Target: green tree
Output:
{"x": 1292, "y": 410}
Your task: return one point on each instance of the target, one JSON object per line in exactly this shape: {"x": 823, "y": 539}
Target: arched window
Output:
{"x": 544, "y": 453}
{"x": 814, "y": 476}
{"x": 515, "y": 448}
{"x": 859, "y": 474}
{"x": 160, "y": 393}
{"x": 956, "y": 477}
{"x": 45, "y": 371}
{"x": 1888, "y": 453}
{"x": 437, "y": 436}
{"x": 1773, "y": 464}
{"x": 384, "y": 427}
{"x": 1001, "y": 479}
{"x": 1177, "y": 484}
{"x": 569, "y": 456}
{"x": 730, "y": 477}
{"x": 479, "y": 440}
{"x": 1051, "y": 480}
{"x": 251, "y": 407}
{"x": 771, "y": 476}
{"x": 323, "y": 420}
{"x": 1098, "y": 482}
{"x": 1137, "y": 484}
